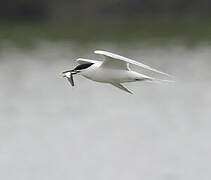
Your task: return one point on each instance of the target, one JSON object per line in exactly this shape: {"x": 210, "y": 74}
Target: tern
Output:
{"x": 113, "y": 70}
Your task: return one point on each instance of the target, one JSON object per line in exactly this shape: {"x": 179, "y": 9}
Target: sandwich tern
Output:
{"x": 113, "y": 70}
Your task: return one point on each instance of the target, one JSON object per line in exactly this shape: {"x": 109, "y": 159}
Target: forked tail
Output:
{"x": 154, "y": 80}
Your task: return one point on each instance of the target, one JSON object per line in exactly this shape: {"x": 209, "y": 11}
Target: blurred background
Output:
{"x": 50, "y": 130}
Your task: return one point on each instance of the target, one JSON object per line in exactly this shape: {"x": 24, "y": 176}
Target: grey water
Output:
{"x": 50, "y": 130}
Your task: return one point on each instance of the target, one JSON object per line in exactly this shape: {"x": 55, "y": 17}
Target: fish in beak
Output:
{"x": 69, "y": 75}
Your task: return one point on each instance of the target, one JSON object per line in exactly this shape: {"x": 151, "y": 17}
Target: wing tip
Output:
{"x": 81, "y": 60}
{"x": 78, "y": 59}
{"x": 171, "y": 76}
{"x": 99, "y": 51}
{"x": 160, "y": 72}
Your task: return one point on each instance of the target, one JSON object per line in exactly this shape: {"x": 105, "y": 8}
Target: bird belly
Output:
{"x": 111, "y": 75}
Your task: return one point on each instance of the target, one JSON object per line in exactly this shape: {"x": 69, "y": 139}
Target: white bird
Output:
{"x": 113, "y": 70}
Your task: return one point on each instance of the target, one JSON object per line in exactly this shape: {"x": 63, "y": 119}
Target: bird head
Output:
{"x": 69, "y": 74}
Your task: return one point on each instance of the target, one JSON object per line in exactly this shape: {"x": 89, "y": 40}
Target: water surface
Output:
{"x": 50, "y": 130}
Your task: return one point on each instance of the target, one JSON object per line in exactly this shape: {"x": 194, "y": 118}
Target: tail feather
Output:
{"x": 154, "y": 80}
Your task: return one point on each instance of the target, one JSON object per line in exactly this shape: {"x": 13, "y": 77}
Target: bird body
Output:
{"x": 105, "y": 75}
{"x": 114, "y": 70}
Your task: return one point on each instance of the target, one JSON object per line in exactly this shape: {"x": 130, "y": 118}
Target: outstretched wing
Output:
{"x": 84, "y": 61}
{"x": 120, "y": 86}
{"x": 109, "y": 57}
{"x": 112, "y": 62}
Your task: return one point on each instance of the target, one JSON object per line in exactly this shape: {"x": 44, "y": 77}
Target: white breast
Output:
{"x": 106, "y": 75}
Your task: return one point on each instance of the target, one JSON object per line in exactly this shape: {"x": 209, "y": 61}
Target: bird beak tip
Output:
{"x": 61, "y": 75}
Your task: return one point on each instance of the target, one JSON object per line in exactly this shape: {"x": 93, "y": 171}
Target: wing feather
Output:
{"x": 120, "y": 86}
{"x": 84, "y": 61}
{"x": 110, "y": 55}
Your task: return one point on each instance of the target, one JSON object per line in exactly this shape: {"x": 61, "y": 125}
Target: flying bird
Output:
{"x": 113, "y": 70}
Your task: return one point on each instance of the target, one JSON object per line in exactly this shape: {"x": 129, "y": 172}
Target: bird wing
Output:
{"x": 120, "y": 86}
{"x": 84, "y": 61}
{"x": 111, "y": 59}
